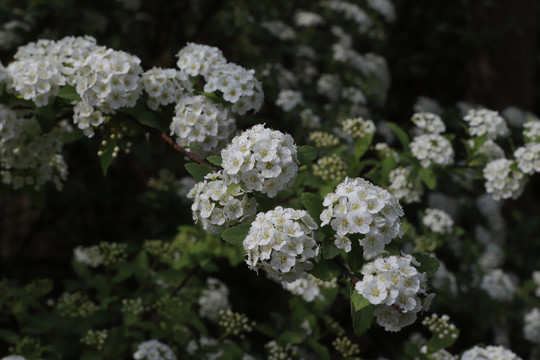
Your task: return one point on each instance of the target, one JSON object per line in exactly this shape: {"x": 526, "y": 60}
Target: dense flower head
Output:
{"x": 499, "y": 285}
{"x": 383, "y": 7}
{"x": 106, "y": 80}
{"x": 531, "y": 130}
{"x": 218, "y": 205}
{"x": 428, "y": 123}
{"x": 199, "y": 122}
{"x": 289, "y": 99}
{"x": 486, "y": 122}
{"x": 502, "y": 180}
{"x": 234, "y": 323}
{"x": 309, "y": 119}
{"x": 438, "y": 221}
{"x": 279, "y": 29}
{"x": 531, "y": 327}
{"x": 359, "y": 207}
{"x": 432, "y": 149}
{"x": 528, "y": 158}
{"x": 536, "y": 279}
{"x": 214, "y": 298}
{"x": 358, "y": 127}
{"x": 307, "y": 19}
{"x": 264, "y": 160}
{"x": 196, "y": 59}
{"x": 35, "y": 79}
{"x": 490, "y": 149}
{"x": 394, "y": 284}
{"x": 27, "y": 155}
{"x": 281, "y": 242}
{"x": 489, "y": 352}
{"x": 406, "y": 190}
{"x": 164, "y": 86}
{"x": 351, "y": 12}
{"x": 13, "y": 357}
{"x": 153, "y": 350}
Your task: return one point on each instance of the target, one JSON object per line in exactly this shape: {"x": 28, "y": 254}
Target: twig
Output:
{"x": 347, "y": 272}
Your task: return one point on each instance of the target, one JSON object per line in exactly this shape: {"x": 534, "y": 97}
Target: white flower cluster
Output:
{"x": 402, "y": 188}
{"x": 309, "y": 119}
{"x": 153, "y": 350}
{"x": 279, "y": 29}
{"x": 358, "y": 127}
{"x": 531, "y": 130}
{"x": 383, "y": 7}
{"x": 528, "y": 158}
{"x": 536, "y": 279}
{"x": 432, "y": 149}
{"x": 486, "y": 122}
{"x": 27, "y": 155}
{"x": 214, "y": 299}
{"x": 217, "y": 207}
{"x": 428, "y": 123}
{"x": 165, "y": 86}
{"x": 281, "y": 242}
{"x": 329, "y": 85}
{"x": 351, "y": 12}
{"x": 531, "y": 327}
{"x": 289, "y": 99}
{"x": 238, "y": 85}
{"x": 502, "y": 181}
{"x": 438, "y": 221}
{"x": 359, "y": 207}
{"x": 498, "y": 285}
{"x": 199, "y": 122}
{"x": 354, "y": 95}
{"x": 14, "y": 357}
{"x": 264, "y": 160}
{"x": 395, "y": 285}
{"x": 309, "y": 287}
{"x": 489, "y": 352}
{"x": 281, "y": 352}
{"x": 426, "y": 104}
{"x": 307, "y": 19}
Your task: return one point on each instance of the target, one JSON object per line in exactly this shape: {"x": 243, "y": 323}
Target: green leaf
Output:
{"x": 313, "y": 204}
{"x": 329, "y": 250}
{"x": 428, "y": 177}
{"x": 307, "y": 154}
{"x": 361, "y": 311}
{"x": 150, "y": 119}
{"x": 235, "y": 235}
{"x": 319, "y": 349}
{"x": 291, "y": 337}
{"x": 68, "y": 92}
{"x": 141, "y": 264}
{"x": 325, "y": 270}
{"x": 355, "y": 257}
{"x": 362, "y": 145}
{"x": 106, "y": 151}
{"x": 428, "y": 264}
{"x": 197, "y": 171}
{"x": 267, "y": 330}
{"x": 9, "y": 336}
{"x": 231, "y": 188}
{"x": 91, "y": 356}
{"x": 388, "y": 164}
{"x": 124, "y": 272}
{"x": 400, "y": 133}
{"x": 214, "y": 160}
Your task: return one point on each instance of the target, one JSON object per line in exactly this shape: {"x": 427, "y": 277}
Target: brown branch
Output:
{"x": 347, "y": 272}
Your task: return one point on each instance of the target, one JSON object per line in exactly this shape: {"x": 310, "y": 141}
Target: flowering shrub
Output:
{"x": 224, "y": 187}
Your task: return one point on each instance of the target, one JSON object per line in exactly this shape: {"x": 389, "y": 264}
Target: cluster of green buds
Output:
{"x": 330, "y": 168}
{"x": 234, "y": 323}
{"x": 76, "y": 305}
{"x": 323, "y": 139}
{"x": 345, "y": 347}
{"x": 95, "y": 338}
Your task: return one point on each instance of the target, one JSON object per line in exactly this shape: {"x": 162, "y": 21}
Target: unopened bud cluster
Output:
{"x": 76, "y": 305}
{"x": 281, "y": 352}
{"x": 95, "y": 338}
{"x": 345, "y": 346}
{"x": 330, "y": 168}
{"x": 323, "y": 139}
{"x": 234, "y": 323}
{"x": 132, "y": 306}
{"x": 531, "y": 130}
{"x": 440, "y": 326}
{"x": 162, "y": 250}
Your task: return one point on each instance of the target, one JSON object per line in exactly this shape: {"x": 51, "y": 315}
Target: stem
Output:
{"x": 347, "y": 272}
{"x": 175, "y": 146}
{"x": 186, "y": 279}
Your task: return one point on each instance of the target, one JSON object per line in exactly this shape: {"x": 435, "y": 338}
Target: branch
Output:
{"x": 175, "y": 146}
{"x": 347, "y": 272}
